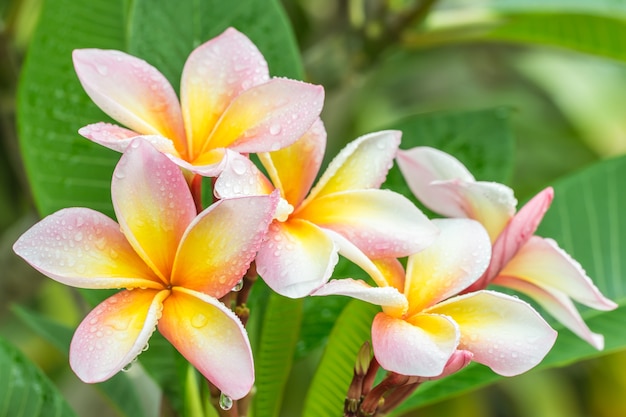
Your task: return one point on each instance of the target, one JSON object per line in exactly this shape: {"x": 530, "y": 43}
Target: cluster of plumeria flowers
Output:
{"x": 176, "y": 262}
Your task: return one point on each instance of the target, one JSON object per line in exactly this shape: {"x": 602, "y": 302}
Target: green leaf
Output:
{"x": 585, "y": 219}
{"x": 330, "y": 384}
{"x": 24, "y": 390}
{"x": 63, "y": 168}
{"x": 274, "y": 356}
{"x": 183, "y": 26}
{"x": 120, "y": 389}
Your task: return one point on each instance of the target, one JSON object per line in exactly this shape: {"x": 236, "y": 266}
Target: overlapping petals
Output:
{"x": 228, "y": 101}
{"x": 345, "y": 204}
{"x": 436, "y": 326}
{"x": 173, "y": 263}
{"x": 520, "y": 260}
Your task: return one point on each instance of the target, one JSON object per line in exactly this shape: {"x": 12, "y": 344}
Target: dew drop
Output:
{"x": 238, "y": 286}
{"x": 199, "y": 320}
{"x": 226, "y": 403}
{"x": 127, "y": 367}
{"x": 275, "y": 129}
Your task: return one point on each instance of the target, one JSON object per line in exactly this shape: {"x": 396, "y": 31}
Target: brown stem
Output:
{"x": 196, "y": 192}
{"x": 375, "y": 398}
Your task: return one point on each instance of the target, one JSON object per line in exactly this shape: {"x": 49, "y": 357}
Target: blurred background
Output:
{"x": 568, "y": 111}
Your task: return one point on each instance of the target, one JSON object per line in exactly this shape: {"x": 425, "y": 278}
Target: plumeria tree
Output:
{"x": 193, "y": 200}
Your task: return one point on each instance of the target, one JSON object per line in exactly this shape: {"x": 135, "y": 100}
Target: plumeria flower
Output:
{"x": 427, "y": 330}
{"x": 174, "y": 265}
{"x": 520, "y": 260}
{"x": 345, "y": 206}
{"x": 227, "y": 102}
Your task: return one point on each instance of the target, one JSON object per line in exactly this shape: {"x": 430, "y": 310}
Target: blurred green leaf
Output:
{"x": 24, "y": 390}
{"x": 63, "y": 168}
{"x": 585, "y": 219}
{"x": 120, "y": 389}
{"x": 274, "y": 356}
{"x": 183, "y": 26}
{"x": 331, "y": 381}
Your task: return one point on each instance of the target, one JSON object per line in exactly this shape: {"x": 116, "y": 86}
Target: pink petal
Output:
{"x": 516, "y": 234}
{"x": 215, "y": 73}
{"x": 115, "y": 333}
{"x": 297, "y": 258}
{"x": 293, "y": 169}
{"x": 267, "y": 117}
{"x": 381, "y": 223}
{"x": 362, "y": 164}
{"x": 455, "y": 260}
{"x": 211, "y": 337}
{"x": 382, "y": 296}
{"x": 542, "y": 263}
{"x": 241, "y": 177}
{"x": 221, "y": 242}
{"x": 117, "y": 138}
{"x": 502, "y": 332}
{"x": 209, "y": 164}
{"x": 557, "y": 304}
{"x": 421, "y": 347}
{"x": 132, "y": 92}
{"x": 445, "y": 186}
{"x": 153, "y": 204}
{"x": 83, "y": 248}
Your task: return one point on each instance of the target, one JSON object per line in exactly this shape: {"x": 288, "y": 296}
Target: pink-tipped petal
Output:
{"x": 362, "y": 164}
{"x": 211, "y": 337}
{"x": 421, "y": 347}
{"x": 132, "y": 92}
{"x": 118, "y": 139}
{"x": 297, "y": 258}
{"x": 454, "y": 261}
{"x": 221, "y": 242}
{"x": 240, "y": 178}
{"x": 517, "y": 233}
{"x": 293, "y": 169}
{"x": 382, "y": 296}
{"x": 502, "y": 332}
{"x": 152, "y": 203}
{"x": 267, "y": 117}
{"x": 381, "y": 223}
{"x": 444, "y": 185}
{"x": 541, "y": 262}
{"x": 209, "y": 164}
{"x": 115, "y": 333}
{"x": 83, "y": 248}
{"x": 215, "y": 73}
{"x": 558, "y": 305}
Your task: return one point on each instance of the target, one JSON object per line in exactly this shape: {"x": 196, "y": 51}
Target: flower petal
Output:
{"x": 117, "y": 138}
{"x": 221, "y": 242}
{"x": 297, "y": 258}
{"x": 211, "y": 337}
{"x": 83, "y": 248}
{"x": 502, "y": 332}
{"x": 152, "y": 203}
{"x": 382, "y": 296}
{"x": 362, "y": 164}
{"x": 444, "y": 185}
{"x": 421, "y": 347}
{"x": 541, "y": 262}
{"x": 241, "y": 177}
{"x": 557, "y": 304}
{"x": 215, "y": 73}
{"x": 115, "y": 333}
{"x": 132, "y": 92}
{"x": 267, "y": 117}
{"x": 455, "y": 260}
{"x": 381, "y": 223}
{"x": 293, "y": 169}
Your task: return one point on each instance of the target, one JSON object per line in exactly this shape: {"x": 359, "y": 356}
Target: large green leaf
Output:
{"x": 120, "y": 389}
{"x": 165, "y": 32}
{"x": 275, "y": 352}
{"x": 63, "y": 168}
{"x": 24, "y": 390}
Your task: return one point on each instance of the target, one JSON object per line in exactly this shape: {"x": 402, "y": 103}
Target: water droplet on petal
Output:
{"x": 226, "y": 403}
{"x": 199, "y": 320}
{"x": 127, "y": 367}
{"x": 275, "y": 129}
{"x": 238, "y": 286}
